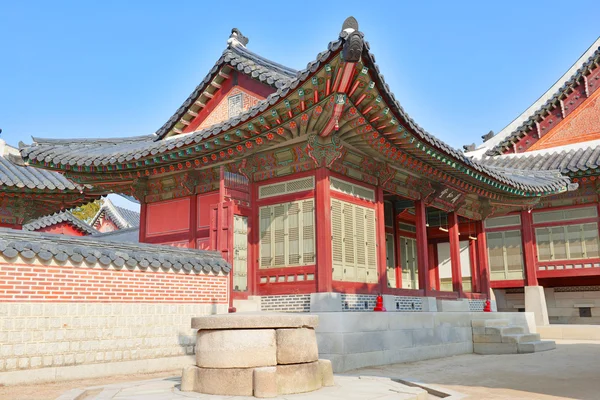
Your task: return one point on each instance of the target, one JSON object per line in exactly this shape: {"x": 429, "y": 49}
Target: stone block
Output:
{"x": 330, "y": 343}
{"x": 252, "y": 304}
{"x": 536, "y": 346}
{"x": 224, "y": 381}
{"x": 188, "y": 378}
{"x": 258, "y": 320}
{"x": 389, "y": 302}
{"x": 521, "y": 338}
{"x": 477, "y": 338}
{"x": 363, "y": 342}
{"x": 296, "y": 346}
{"x": 326, "y": 302}
{"x": 401, "y": 339}
{"x": 488, "y": 323}
{"x": 411, "y": 320}
{"x": 429, "y": 304}
{"x": 535, "y": 301}
{"x": 265, "y": 382}
{"x": 495, "y": 348}
{"x": 298, "y": 378}
{"x": 326, "y": 371}
{"x": 237, "y": 348}
{"x": 461, "y": 305}
{"x": 504, "y": 330}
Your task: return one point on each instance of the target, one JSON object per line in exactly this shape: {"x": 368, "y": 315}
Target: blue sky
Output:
{"x": 121, "y": 68}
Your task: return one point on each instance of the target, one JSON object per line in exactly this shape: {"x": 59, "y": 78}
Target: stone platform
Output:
{"x": 256, "y": 354}
{"x": 345, "y": 388}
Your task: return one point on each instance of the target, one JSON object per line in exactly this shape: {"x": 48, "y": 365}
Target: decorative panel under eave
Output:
{"x": 581, "y": 125}
{"x": 168, "y": 217}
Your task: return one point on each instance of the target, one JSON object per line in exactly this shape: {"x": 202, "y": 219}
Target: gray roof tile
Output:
{"x": 57, "y": 218}
{"x": 118, "y": 253}
{"x": 15, "y": 174}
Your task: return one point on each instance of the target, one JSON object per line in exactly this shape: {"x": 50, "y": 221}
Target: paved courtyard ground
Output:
{"x": 572, "y": 371}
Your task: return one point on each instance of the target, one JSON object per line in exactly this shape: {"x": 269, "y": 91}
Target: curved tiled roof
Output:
{"x": 98, "y": 154}
{"x": 517, "y": 128}
{"x": 47, "y": 247}
{"x": 243, "y": 60}
{"x": 122, "y": 217}
{"x": 573, "y": 161}
{"x": 57, "y": 218}
{"x": 101, "y": 152}
{"x": 14, "y": 174}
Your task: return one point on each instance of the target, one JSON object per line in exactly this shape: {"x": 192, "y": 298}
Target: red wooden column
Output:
{"x": 482, "y": 259}
{"x": 528, "y": 249}
{"x": 434, "y": 273}
{"x": 455, "y": 253}
{"x": 193, "y": 221}
{"x": 143, "y": 216}
{"x": 422, "y": 248}
{"x": 475, "y": 286}
{"x": 381, "y": 246}
{"x": 323, "y": 225}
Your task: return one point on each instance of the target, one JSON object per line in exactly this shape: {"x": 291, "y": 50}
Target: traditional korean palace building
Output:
{"x": 317, "y": 186}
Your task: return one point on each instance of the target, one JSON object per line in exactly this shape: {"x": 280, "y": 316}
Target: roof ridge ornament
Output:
{"x": 236, "y": 38}
{"x": 353, "y": 39}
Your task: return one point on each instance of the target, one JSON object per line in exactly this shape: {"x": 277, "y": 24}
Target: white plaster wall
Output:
{"x": 37, "y": 339}
{"x": 361, "y": 339}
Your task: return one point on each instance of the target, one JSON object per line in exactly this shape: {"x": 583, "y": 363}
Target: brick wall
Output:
{"x": 26, "y": 282}
{"x": 286, "y": 303}
{"x": 80, "y": 314}
{"x": 221, "y": 111}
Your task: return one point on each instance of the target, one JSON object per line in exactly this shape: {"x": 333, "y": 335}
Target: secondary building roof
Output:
{"x": 48, "y": 221}
{"x": 47, "y": 247}
{"x": 123, "y": 218}
{"x": 584, "y": 70}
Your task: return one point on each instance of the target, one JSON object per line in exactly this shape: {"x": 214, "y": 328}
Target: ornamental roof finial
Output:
{"x": 236, "y": 38}
{"x": 350, "y": 25}
{"x": 354, "y": 44}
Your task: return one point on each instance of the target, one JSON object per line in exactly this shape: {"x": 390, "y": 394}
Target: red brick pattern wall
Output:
{"x": 106, "y": 225}
{"x": 40, "y": 283}
{"x": 62, "y": 229}
{"x": 221, "y": 111}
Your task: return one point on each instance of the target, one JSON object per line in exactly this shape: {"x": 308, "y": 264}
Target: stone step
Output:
{"x": 486, "y": 323}
{"x": 536, "y": 346}
{"x": 504, "y": 330}
{"x": 495, "y": 348}
{"x": 520, "y": 337}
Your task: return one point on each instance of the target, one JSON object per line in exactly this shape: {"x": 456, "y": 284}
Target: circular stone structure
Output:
{"x": 256, "y": 354}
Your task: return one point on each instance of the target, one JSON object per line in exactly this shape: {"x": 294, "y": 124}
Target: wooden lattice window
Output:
{"x": 354, "y": 245}
{"x": 287, "y": 234}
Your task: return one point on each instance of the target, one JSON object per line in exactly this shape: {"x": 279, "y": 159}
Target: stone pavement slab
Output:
{"x": 346, "y": 388}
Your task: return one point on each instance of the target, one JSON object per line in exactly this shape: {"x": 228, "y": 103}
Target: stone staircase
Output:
{"x": 497, "y": 336}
